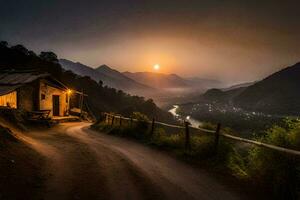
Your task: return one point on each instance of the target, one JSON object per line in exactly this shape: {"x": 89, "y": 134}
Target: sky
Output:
{"x": 233, "y": 41}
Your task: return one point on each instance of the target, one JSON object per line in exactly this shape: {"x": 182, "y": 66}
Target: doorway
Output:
{"x": 55, "y": 105}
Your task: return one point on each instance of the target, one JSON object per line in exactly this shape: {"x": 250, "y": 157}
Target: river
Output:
{"x": 194, "y": 122}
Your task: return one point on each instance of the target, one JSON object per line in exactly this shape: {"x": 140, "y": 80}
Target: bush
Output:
{"x": 202, "y": 146}
{"x": 161, "y": 139}
{"x": 142, "y": 123}
{"x": 276, "y": 169}
{"x": 138, "y": 130}
{"x": 269, "y": 168}
{"x": 237, "y": 164}
{"x": 208, "y": 125}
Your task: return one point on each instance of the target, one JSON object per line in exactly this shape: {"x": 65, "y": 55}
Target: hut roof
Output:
{"x": 12, "y": 80}
{"x": 15, "y": 78}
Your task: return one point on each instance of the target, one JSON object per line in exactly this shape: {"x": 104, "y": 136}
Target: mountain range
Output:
{"x": 141, "y": 83}
{"x": 108, "y": 76}
{"x": 158, "y": 80}
{"x": 277, "y": 94}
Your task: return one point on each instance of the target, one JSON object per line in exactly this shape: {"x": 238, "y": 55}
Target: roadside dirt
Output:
{"x": 20, "y": 169}
{"x": 83, "y": 164}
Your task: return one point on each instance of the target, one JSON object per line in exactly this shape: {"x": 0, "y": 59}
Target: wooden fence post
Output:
{"x": 152, "y": 126}
{"x": 217, "y": 137}
{"x": 187, "y": 137}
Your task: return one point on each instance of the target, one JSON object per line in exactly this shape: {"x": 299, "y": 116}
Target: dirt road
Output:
{"x": 84, "y": 164}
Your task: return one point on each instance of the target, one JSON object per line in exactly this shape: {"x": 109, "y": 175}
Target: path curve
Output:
{"x": 85, "y": 164}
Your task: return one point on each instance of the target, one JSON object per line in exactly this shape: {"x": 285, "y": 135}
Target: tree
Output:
{"x": 20, "y": 48}
{"x": 31, "y": 53}
{"x": 3, "y": 44}
{"x": 49, "y": 56}
{"x": 100, "y": 83}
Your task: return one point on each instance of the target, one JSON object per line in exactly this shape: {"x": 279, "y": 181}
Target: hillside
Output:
{"x": 279, "y": 93}
{"x": 108, "y": 76}
{"x": 82, "y": 69}
{"x": 220, "y": 96}
{"x": 124, "y": 82}
{"x": 241, "y": 85}
{"x": 100, "y": 98}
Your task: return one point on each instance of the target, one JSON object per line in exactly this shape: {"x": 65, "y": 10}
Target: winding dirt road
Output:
{"x": 84, "y": 164}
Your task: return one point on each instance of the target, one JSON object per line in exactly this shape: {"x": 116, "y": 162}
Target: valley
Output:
{"x": 193, "y": 122}
{"x": 163, "y": 88}
{"x": 207, "y": 100}
{"x": 149, "y": 100}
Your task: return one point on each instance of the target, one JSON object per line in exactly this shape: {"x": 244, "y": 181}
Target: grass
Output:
{"x": 202, "y": 145}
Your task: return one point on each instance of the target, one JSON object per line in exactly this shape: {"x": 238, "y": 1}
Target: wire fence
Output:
{"x": 111, "y": 119}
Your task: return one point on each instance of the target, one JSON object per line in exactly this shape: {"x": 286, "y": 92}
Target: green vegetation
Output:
{"x": 202, "y": 145}
{"x": 266, "y": 167}
{"x": 274, "y": 171}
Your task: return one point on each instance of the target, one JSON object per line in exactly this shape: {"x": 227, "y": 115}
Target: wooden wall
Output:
{"x": 47, "y": 92}
{"x": 27, "y": 97}
{"x": 36, "y": 96}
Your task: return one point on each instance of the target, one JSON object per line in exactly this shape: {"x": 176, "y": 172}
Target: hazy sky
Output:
{"x": 230, "y": 40}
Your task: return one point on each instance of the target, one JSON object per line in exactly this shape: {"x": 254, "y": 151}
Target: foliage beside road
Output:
{"x": 276, "y": 172}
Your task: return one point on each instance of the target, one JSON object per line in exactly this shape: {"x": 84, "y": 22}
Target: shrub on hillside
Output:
{"x": 142, "y": 123}
{"x": 161, "y": 139}
{"x": 265, "y": 167}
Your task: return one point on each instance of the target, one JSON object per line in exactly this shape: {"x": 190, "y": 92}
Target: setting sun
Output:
{"x": 156, "y": 67}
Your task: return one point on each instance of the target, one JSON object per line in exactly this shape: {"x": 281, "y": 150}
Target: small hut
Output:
{"x": 32, "y": 91}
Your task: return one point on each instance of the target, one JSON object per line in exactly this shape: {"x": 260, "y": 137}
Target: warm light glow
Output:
{"x": 156, "y": 67}
{"x": 69, "y": 91}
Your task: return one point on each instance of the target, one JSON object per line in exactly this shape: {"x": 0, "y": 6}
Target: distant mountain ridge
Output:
{"x": 206, "y": 83}
{"x": 147, "y": 84}
{"x": 108, "y": 76}
{"x": 278, "y": 93}
{"x": 158, "y": 80}
{"x": 241, "y": 85}
{"x": 167, "y": 81}
{"x": 121, "y": 78}
{"x": 82, "y": 69}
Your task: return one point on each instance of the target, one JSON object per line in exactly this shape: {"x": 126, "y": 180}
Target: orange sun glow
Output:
{"x": 156, "y": 67}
